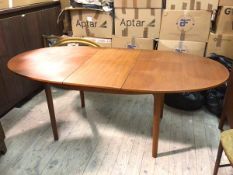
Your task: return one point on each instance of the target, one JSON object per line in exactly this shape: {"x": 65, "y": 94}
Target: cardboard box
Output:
{"x": 65, "y": 3}
{"x": 220, "y": 44}
{"x": 103, "y": 42}
{"x": 192, "y": 5}
{"x": 91, "y": 23}
{"x": 138, "y": 23}
{"x": 189, "y": 47}
{"x": 133, "y": 43}
{"x": 4, "y": 4}
{"x": 186, "y": 25}
{"x": 226, "y": 3}
{"x": 225, "y": 20}
{"x": 138, "y": 3}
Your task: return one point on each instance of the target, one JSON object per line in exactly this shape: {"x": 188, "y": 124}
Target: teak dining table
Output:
{"x": 121, "y": 71}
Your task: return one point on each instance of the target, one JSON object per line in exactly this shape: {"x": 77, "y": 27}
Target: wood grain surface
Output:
{"x": 121, "y": 69}
{"x": 108, "y": 68}
{"x": 172, "y": 72}
{"x": 50, "y": 65}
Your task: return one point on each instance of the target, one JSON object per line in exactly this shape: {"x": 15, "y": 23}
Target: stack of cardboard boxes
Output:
{"x": 137, "y": 23}
{"x": 132, "y": 24}
{"x": 221, "y": 42}
{"x": 186, "y": 26}
{"x": 92, "y": 24}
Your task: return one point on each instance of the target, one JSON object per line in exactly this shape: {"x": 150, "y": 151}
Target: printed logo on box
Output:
{"x": 152, "y": 23}
{"x": 104, "y": 25}
{"x": 229, "y": 11}
{"x": 185, "y": 23}
{"x": 136, "y": 23}
{"x": 90, "y": 24}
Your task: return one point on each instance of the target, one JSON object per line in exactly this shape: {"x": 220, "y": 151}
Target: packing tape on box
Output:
{"x": 145, "y": 32}
{"x": 123, "y": 11}
{"x": 210, "y": 7}
{"x": 80, "y": 15}
{"x": 173, "y": 7}
{"x": 136, "y": 13}
{"x": 96, "y": 16}
{"x": 182, "y": 35}
{"x": 192, "y": 4}
{"x": 125, "y": 32}
{"x": 180, "y": 48}
{"x": 152, "y": 12}
{"x": 124, "y": 3}
{"x": 219, "y": 41}
{"x": 148, "y": 3}
{"x": 133, "y": 41}
{"x": 135, "y": 3}
{"x": 184, "y": 6}
{"x": 198, "y": 5}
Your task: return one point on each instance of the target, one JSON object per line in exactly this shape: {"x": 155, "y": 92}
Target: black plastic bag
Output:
{"x": 185, "y": 101}
{"x": 227, "y": 62}
{"x": 214, "y": 98}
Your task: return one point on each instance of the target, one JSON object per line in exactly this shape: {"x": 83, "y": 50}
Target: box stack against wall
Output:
{"x": 186, "y": 25}
{"x": 137, "y": 23}
{"x": 221, "y": 42}
{"x": 89, "y": 23}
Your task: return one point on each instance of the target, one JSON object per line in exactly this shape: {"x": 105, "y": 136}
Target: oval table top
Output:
{"x": 136, "y": 71}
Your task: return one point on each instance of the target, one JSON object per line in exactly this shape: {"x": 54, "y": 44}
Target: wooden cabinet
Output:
{"x": 18, "y": 33}
{"x": 4, "y": 104}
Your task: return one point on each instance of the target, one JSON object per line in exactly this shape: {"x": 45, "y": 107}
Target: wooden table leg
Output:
{"x": 82, "y": 99}
{"x": 218, "y": 159}
{"x": 158, "y": 110}
{"x": 162, "y": 103}
{"x": 222, "y": 121}
{"x": 51, "y": 111}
